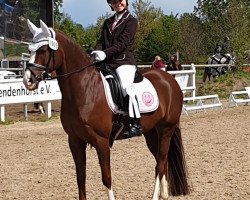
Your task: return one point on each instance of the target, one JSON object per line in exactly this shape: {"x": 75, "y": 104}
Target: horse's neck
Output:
{"x": 76, "y": 64}
{"x": 84, "y": 82}
{"x": 74, "y": 56}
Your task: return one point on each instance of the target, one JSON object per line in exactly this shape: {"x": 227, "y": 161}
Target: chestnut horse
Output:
{"x": 87, "y": 118}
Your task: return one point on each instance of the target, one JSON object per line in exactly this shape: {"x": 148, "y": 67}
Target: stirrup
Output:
{"x": 135, "y": 131}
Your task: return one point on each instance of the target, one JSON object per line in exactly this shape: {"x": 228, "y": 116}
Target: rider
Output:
{"x": 225, "y": 45}
{"x": 115, "y": 47}
{"x": 225, "y": 48}
{"x": 218, "y": 48}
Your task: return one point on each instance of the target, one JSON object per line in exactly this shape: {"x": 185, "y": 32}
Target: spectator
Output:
{"x": 158, "y": 63}
{"x": 173, "y": 64}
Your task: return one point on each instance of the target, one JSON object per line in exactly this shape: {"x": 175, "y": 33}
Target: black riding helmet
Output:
{"x": 115, "y": 1}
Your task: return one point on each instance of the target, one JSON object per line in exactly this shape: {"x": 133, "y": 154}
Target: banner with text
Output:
{"x": 15, "y": 92}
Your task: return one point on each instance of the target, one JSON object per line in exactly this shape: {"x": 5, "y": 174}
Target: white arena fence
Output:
{"x": 185, "y": 77}
{"x": 12, "y": 90}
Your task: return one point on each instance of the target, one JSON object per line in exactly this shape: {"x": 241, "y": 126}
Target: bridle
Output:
{"x": 45, "y": 75}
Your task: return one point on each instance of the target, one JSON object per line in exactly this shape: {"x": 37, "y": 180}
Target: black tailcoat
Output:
{"x": 118, "y": 44}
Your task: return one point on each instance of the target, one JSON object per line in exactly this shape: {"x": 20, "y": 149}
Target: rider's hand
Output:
{"x": 98, "y": 55}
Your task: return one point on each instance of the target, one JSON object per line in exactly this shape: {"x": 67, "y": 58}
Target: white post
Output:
{"x": 193, "y": 79}
{"x": 48, "y": 109}
{"x": 25, "y": 111}
{"x": 2, "y": 113}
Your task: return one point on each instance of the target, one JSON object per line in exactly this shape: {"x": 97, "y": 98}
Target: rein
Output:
{"x": 46, "y": 76}
{"x": 70, "y": 73}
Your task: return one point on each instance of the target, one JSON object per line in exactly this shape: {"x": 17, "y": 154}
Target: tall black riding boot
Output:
{"x": 135, "y": 128}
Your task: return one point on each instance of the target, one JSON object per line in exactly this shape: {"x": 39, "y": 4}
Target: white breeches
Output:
{"x": 126, "y": 74}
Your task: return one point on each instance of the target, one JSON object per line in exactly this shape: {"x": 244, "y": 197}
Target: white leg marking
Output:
{"x": 164, "y": 188}
{"x": 110, "y": 194}
{"x": 41, "y": 109}
{"x": 157, "y": 188}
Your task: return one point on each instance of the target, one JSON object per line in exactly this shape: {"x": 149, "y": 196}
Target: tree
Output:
{"x": 148, "y": 17}
{"x": 163, "y": 40}
{"x": 57, "y": 14}
{"x": 190, "y": 33}
{"x": 225, "y": 18}
{"x": 238, "y": 20}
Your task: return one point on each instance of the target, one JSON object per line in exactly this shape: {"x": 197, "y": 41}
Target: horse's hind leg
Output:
{"x": 159, "y": 148}
{"x": 78, "y": 150}
{"x": 162, "y": 165}
{"x": 41, "y": 108}
{"x": 152, "y": 141}
{"x": 166, "y": 146}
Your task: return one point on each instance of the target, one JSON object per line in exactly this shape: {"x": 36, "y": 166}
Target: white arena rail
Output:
{"x": 239, "y": 97}
{"x": 201, "y": 102}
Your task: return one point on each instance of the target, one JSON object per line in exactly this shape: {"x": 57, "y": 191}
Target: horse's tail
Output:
{"x": 177, "y": 172}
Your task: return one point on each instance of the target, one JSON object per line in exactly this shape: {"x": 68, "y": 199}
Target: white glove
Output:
{"x": 98, "y": 55}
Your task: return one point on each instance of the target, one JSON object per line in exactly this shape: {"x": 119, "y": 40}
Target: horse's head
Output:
{"x": 43, "y": 55}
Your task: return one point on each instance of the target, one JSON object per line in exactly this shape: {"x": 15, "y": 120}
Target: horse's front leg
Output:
{"x": 78, "y": 150}
{"x": 103, "y": 153}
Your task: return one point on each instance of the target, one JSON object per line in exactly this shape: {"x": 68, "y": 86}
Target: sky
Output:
{"x": 87, "y": 13}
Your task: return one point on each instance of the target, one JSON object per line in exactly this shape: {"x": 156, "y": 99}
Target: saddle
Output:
{"x": 143, "y": 89}
{"x": 145, "y": 92}
{"x": 115, "y": 86}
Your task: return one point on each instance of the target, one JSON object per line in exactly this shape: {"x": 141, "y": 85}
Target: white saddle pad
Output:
{"x": 145, "y": 92}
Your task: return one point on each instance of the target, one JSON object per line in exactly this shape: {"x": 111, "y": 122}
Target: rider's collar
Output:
{"x": 119, "y": 15}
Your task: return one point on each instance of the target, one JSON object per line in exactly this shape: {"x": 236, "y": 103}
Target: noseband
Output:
{"x": 42, "y": 76}
{"x": 44, "y": 69}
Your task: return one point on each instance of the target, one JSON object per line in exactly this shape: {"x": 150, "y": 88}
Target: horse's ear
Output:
{"x": 32, "y": 27}
{"x": 45, "y": 29}
{"x": 50, "y": 34}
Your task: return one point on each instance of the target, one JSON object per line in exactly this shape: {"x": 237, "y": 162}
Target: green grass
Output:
{"x": 15, "y": 49}
{"x": 224, "y": 84}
